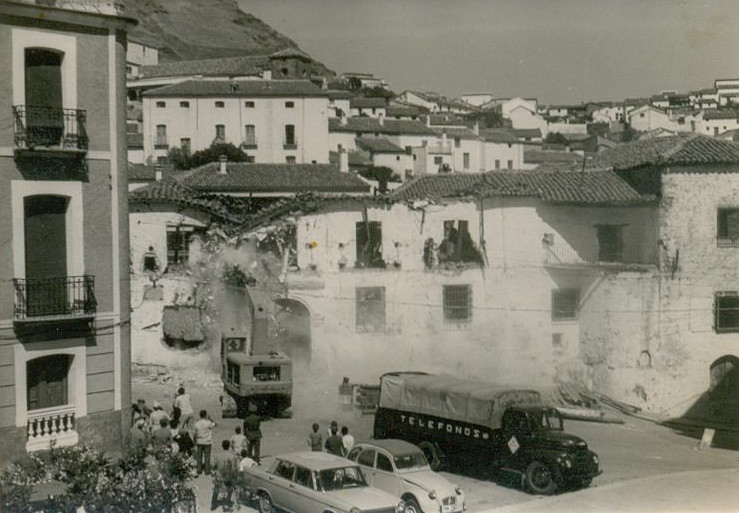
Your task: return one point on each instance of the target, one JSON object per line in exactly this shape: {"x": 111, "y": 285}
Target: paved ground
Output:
{"x": 637, "y": 457}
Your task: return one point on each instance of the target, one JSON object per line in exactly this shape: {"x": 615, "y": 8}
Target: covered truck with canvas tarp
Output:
{"x": 461, "y": 421}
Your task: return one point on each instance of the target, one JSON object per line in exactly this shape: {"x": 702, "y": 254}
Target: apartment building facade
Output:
{"x": 64, "y": 335}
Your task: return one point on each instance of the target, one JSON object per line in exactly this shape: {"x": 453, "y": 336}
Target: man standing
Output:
{"x": 347, "y": 440}
{"x": 334, "y": 444}
{"x": 183, "y": 403}
{"x": 203, "y": 441}
{"x": 253, "y": 432}
{"x": 138, "y": 439}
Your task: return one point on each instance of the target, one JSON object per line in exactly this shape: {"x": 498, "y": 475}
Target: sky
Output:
{"x": 561, "y": 51}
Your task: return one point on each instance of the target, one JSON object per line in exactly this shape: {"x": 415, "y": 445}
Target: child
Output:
{"x": 238, "y": 442}
{"x": 315, "y": 439}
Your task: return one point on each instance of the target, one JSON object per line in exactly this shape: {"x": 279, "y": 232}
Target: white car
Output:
{"x": 400, "y": 468}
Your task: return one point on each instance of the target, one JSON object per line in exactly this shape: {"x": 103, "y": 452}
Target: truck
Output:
{"x": 254, "y": 371}
{"x": 508, "y": 429}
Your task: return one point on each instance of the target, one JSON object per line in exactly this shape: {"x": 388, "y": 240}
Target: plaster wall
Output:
{"x": 400, "y": 163}
{"x": 502, "y": 153}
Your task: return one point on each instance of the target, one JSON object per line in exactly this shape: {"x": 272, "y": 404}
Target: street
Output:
{"x": 635, "y": 452}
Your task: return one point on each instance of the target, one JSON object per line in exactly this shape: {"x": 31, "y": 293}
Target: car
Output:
{"x": 400, "y": 468}
{"x": 317, "y": 482}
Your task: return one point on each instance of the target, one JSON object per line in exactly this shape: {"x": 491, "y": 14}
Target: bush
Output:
{"x": 213, "y": 153}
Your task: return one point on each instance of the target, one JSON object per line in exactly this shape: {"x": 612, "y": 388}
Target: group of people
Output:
{"x": 337, "y": 444}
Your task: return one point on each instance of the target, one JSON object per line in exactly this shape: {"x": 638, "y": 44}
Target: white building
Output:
{"x": 476, "y": 99}
{"x": 139, "y": 54}
{"x": 716, "y": 122}
{"x": 647, "y": 118}
{"x": 727, "y": 91}
{"x": 273, "y": 121}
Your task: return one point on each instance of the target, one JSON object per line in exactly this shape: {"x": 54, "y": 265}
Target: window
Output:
{"x": 161, "y": 160}
{"x": 457, "y": 303}
{"x": 290, "y": 159}
{"x": 726, "y": 312}
{"x": 250, "y": 135}
{"x": 383, "y": 463}
{"x": 285, "y": 470}
{"x": 438, "y": 160}
{"x": 397, "y": 158}
{"x": 161, "y": 105}
{"x": 303, "y": 477}
{"x": 370, "y": 309}
{"x": 185, "y": 105}
{"x": 727, "y": 224}
{"x": 497, "y": 164}
{"x": 233, "y": 373}
{"x": 289, "y": 105}
{"x": 466, "y": 160}
{"x": 354, "y": 453}
{"x": 249, "y": 105}
{"x": 290, "y": 135}
{"x": 161, "y": 137}
{"x": 457, "y": 142}
{"x": 457, "y": 245}
{"x": 510, "y": 164}
{"x": 220, "y": 105}
{"x": 47, "y": 381}
{"x": 178, "y": 246}
{"x": 221, "y": 132}
{"x": 185, "y": 144}
{"x": 367, "y": 458}
{"x": 369, "y": 244}
{"x": 565, "y": 304}
{"x": 408, "y": 174}
{"x": 610, "y": 243}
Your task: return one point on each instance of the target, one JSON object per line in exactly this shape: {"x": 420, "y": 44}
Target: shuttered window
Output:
{"x": 727, "y": 227}
{"x": 565, "y": 304}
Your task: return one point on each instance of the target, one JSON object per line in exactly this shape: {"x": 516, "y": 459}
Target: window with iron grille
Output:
{"x": 289, "y": 105}
{"x": 727, "y": 227}
{"x": 370, "y": 309}
{"x": 726, "y": 312}
{"x": 457, "y": 303}
{"x": 565, "y": 304}
{"x": 249, "y": 105}
{"x": 369, "y": 244}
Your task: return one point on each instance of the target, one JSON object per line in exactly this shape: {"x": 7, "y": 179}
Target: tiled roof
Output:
{"x": 135, "y": 141}
{"x": 682, "y": 149}
{"x": 335, "y": 94}
{"x": 456, "y": 132}
{"x": 148, "y": 172}
{"x": 522, "y": 133}
{"x": 171, "y": 191}
{"x": 239, "y": 89}
{"x": 286, "y": 178}
{"x": 547, "y": 156}
{"x": 593, "y": 188}
{"x": 500, "y": 136}
{"x": 367, "y": 103}
{"x": 635, "y": 102}
{"x": 378, "y": 146}
{"x": 222, "y": 66}
{"x": 288, "y": 53}
{"x": 356, "y": 158}
{"x": 404, "y": 111}
{"x": 389, "y": 126}
{"x": 446, "y": 119}
{"x": 730, "y": 135}
{"x": 720, "y": 114}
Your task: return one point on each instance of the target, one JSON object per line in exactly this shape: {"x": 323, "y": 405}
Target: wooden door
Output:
{"x": 43, "y": 86}
{"x": 47, "y": 381}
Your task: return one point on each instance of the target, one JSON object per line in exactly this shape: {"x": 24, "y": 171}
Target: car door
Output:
{"x": 303, "y": 496}
{"x": 366, "y": 461}
{"x": 281, "y": 485}
{"x": 385, "y": 477}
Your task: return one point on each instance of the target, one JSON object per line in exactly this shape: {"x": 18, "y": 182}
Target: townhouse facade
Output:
{"x": 273, "y": 121}
{"x": 64, "y": 295}
{"x": 608, "y": 278}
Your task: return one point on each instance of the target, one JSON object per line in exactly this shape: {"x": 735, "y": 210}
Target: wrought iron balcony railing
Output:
{"x": 52, "y": 298}
{"x": 50, "y": 127}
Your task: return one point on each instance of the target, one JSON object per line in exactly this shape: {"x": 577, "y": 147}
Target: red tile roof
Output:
{"x": 239, "y": 89}
{"x": 275, "y": 178}
{"x": 171, "y": 191}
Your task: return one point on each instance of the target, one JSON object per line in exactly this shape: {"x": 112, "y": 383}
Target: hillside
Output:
{"x": 198, "y": 29}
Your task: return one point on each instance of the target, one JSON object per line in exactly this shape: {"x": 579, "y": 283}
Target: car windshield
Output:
{"x": 410, "y": 461}
{"x": 547, "y": 419}
{"x": 341, "y": 478}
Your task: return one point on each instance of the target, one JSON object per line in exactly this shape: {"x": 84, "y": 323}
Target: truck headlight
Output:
{"x": 564, "y": 460}
{"x": 400, "y": 508}
{"x": 432, "y": 495}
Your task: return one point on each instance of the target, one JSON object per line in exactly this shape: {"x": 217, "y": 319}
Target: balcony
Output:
{"x": 290, "y": 143}
{"x": 49, "y": 129}
{"x": 727, "y": 242}
{"x": 628, "y": 257}
{"x": 47, "y": 425}
{"x": 109, "y": 7}
{"x": 160, "y": 142}
{"x": 54, "y": 299}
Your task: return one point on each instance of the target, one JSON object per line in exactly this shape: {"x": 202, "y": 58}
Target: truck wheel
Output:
{"x": 586, "y": 482}
{"x": 265, "y": 503}
{"x": 432, "y": 453}
{"x": 539, "y": 479}
{"x": 411, "y": 506}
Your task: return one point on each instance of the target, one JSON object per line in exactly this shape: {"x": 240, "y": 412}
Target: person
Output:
{"x": 334, "y": 426}
{"x": 238, "y": 441}
{"x": 222, "y": 493}
{"x": 138, "y": 439}
{"x": 182, "y": 438}
{"x": 162, "y": 436}
{"x": 253, "y": 432}
{"x": 157, "y": 415}
{"x": 347, "y": 440}
{"x": 203, "y": 441}
{"x": 151, "y": 261}
{"x": 334, "y": 444}
{"x": 183, "y": 402}
{"x": 246, "y": 461}
{"x": 315, "y": 439}
{"x": 144, "y": 408}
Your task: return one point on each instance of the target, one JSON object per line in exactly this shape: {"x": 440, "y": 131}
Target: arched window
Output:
{"x": 47, "y": 383}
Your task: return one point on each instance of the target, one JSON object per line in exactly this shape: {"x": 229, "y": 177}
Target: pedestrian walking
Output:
{"x": 238, "y": 442}
{"x": 184, "y": 404}
{"x": 334, "y": 443}
{"x": 315, "y": 439}
{"x": 253, "y": 432}
{"x": 203, "y": 442}
{"x": 347, "y": 440}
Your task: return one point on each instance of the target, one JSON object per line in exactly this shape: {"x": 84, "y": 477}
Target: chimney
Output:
{"x": 476, "y": 128}
{"x": 223, "y": 164}
{"x": 343, "y": 160}
{"x": 443, "y": 140}
{"x": 158, "y": 173}
{"x": 267, "y": 74}
{"x": 381, "y": 118}
{"x": 324, "y": 83}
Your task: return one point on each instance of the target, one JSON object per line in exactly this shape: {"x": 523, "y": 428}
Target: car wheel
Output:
{"x": 586, "y": 482}
{"x": 411, "y": 506}
{"x": 539, "y": 479}
{"x": 265, "y": 503}
{"x": 432, "y": 453}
